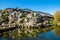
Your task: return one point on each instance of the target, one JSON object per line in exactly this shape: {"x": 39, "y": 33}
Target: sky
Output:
{"x": 47, "y": 6}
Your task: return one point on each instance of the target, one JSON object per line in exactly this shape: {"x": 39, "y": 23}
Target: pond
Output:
{"x": 33, "y": 35}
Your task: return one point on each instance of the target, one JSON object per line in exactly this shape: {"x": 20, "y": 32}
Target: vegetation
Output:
{"x": 26, "y": 32}
{"x": 57, "y": 16}
{"x": 57, "y": 23}
{"x": 22, "y": 16}
{"x": 4, "y": 17}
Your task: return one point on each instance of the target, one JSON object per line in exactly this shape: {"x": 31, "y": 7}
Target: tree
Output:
{"x": 22, "y": 16}
{"x": 57, "y": 16}
{"x": 5, "y": 17}
{"x": 57, "y": 22}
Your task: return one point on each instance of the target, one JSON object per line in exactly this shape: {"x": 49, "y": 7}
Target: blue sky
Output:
{"x": 48, "y": 6}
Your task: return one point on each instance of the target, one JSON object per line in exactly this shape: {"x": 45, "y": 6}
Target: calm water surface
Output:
{"x": 44, "y": 36}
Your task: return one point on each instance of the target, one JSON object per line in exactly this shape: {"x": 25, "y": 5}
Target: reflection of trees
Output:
{"x": 57, "y": 23}
{"x": 57, "y": 31}
{"x": 24, "y": 32}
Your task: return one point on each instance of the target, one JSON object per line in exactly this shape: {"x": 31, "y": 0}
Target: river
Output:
{"x": 44, "y": 36}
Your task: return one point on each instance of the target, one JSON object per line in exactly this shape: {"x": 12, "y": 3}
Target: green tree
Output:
{"x": 22, "y": 16}
{"x": 4, "y": 17}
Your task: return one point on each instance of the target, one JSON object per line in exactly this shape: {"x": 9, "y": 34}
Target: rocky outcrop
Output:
{"x": 26, "y": 17}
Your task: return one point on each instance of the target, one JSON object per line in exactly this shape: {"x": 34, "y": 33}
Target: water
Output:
{"x": 34, "y": 35}
{"x": 48, "y": 36}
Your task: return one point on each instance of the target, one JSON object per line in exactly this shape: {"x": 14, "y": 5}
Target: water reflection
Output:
{"x": 57, "y": 31}
{"x": 31, "y": 34}
{"x": 23, "y": 32}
